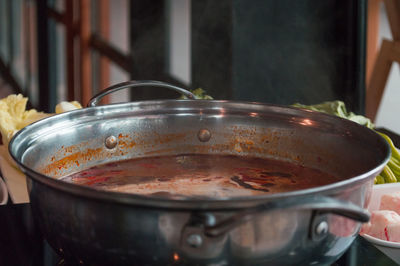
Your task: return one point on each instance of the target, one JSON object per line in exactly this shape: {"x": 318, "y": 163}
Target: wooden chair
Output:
{"x": 389, "y": 52}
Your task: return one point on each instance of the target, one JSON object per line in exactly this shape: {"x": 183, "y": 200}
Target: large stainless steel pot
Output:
{"x": 313, "y": 226}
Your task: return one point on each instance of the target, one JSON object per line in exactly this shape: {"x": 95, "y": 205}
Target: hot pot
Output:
{"x": 96, "y": 227}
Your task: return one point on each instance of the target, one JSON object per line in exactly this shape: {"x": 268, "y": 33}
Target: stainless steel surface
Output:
{"x": 322, "y": 228}
{"x": 320, "y": 205}
{"x": 194, "y": 240}
{"x": 138, "y": 83}
{"x": 204, "y": 135}
{"x": 99, "y": 227}
{"x": 111, "y": 142}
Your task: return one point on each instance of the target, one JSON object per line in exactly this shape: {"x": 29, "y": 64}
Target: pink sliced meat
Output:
{"x": 379, "y": 225}
{"x": 391, "y": 202}
{"x": 393, "y": 232}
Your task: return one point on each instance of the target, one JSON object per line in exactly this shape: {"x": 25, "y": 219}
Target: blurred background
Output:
{"x": 274, "y": 51}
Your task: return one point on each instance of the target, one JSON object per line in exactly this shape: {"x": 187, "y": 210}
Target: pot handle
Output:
{"x": 203, "y": 230}
{"x": 319, "y": 205}
{"x": 137, "y": 83}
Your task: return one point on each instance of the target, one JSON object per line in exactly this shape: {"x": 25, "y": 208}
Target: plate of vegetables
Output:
{"x": 391, "y": 171}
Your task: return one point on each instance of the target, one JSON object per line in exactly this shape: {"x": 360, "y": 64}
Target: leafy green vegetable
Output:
{"x": 391, "y": 171}
{"x": 199, "y": 93}
{"x": 338, "y": 108}
{"x": 388, "y": 175}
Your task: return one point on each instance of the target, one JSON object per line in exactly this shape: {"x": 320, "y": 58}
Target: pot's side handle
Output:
{"x": 203, "y": 229}
{"x": 137, "y": 83}
{"x": 321, "y": 205}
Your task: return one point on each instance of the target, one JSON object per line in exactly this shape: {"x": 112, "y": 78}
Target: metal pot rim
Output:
{"x": 186, "y": 203}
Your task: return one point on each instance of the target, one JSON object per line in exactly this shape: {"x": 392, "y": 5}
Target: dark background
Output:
{"x": 281, "y": 52}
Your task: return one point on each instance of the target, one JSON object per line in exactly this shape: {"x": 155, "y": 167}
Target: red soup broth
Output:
{"x": 201, "y": 176}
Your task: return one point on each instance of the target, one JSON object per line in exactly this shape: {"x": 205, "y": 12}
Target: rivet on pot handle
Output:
{"x": 321, "y": 205}
{"x": 137, "y": 83}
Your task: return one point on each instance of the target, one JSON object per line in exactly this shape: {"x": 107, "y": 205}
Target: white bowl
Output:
{"x": 390, "y": 249}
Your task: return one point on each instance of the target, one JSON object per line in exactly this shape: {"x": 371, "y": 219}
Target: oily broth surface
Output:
{"x": 201, "y": 176}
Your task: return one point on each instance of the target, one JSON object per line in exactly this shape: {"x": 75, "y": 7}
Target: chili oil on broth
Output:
{"x": 194, "y": 175}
